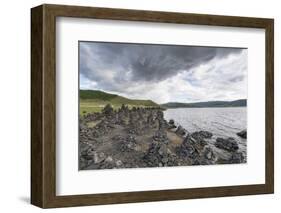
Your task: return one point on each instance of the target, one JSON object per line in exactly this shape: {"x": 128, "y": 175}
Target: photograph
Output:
{"x": 161, "y": 105}
{"x": 170, "y": 105}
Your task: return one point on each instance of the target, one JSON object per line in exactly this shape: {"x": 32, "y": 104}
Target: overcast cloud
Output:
{"x": 164, "y": 73}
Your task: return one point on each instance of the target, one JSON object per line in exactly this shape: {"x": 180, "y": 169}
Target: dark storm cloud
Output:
{"x": 114, "y": 63}
{"x": 164, "y": 73}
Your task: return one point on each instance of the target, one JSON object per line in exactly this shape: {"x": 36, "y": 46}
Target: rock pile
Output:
{"x": 127, "y": 144}
{"x": 141, "y": 137}
{"x": 159, "y": 155}
{"x": 196, "y": 150}
{"x": 230, "y": 145}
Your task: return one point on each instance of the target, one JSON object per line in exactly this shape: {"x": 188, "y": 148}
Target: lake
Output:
{"x": 222, "y": 122}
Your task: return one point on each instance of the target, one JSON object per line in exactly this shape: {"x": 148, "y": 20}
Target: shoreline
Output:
{"x": 141, "y": 137}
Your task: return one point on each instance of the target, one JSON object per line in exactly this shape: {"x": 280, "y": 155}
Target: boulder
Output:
{"x": 201, "y": 134}
{"x": 159, "y": 154}
{"x": 119, "y": 163}
{"x": 87, "y": 151}
{"x": 180, "y": 131}
{"x": 242, "y": 134}
{"x": 229, "y": 144}
{"x": 99, "y": 157}
{"x": 188, "y": 148}
{"x": 200, "y": 137}
{"x": 237, "y": 157}
{"x": 108, "y": 159}
{"x": 171, "y": 122}
{"x": 209, "y": 154}
{"x": 107, "y": 110}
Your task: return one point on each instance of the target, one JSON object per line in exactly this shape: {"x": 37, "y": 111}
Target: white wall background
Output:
{"x": 15, "y": 104}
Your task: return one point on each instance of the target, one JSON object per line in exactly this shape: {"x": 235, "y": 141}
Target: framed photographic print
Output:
{"x": 136, "y": 106}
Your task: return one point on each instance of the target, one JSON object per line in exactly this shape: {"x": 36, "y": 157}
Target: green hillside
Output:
{"x": 95, "y": 100}
{"x": 96, "y": 94}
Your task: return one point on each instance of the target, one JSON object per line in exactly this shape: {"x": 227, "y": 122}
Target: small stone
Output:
{"x": 99, "y": 157}
{"x": 119, "y": 163}
{"x": 109, "y": 159}
{"x": 90, "y": 151}
{"x": 209, "y": 155}
{"x": 165, "y": 160}
{"x": 88, "y": 157}
{"x": 162, "y": 150}
{"x": 237, "y": 157}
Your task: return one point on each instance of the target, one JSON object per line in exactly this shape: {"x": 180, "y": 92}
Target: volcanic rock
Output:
{"x": 229, "y": 144}
{"x": 242, "y": 134}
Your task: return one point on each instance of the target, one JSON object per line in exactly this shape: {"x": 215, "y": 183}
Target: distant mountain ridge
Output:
{"x": 101, "y": 98}
{"x": 104, "y": 98}
{"x": 236, "y": 103}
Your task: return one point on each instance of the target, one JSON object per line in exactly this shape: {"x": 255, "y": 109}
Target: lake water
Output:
{"x": 222, "y": 122}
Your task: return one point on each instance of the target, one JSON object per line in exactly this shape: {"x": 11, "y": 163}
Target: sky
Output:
{"x": 164, "y": 73}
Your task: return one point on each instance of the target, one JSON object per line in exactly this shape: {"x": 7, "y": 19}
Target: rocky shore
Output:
{"x": 141, "y": 137}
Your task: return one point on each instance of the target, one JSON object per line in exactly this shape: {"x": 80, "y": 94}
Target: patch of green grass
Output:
{"x": 91, "y": 106}
{"x": 96, "y": 94}
{"x": 92, "y": 124}
{"x": 94, "y": 101}
{"x": 103, "y": 98}
{"x": 85, "y": 110}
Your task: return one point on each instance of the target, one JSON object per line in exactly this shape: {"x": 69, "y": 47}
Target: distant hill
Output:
{"x": 102, "y": 98}
{"x": 236, "y": 103}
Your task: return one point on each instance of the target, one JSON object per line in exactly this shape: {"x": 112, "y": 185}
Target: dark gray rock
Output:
{"x": 99, "y": 157}
{"x": 87, "y": 151}
{"x": 158, "y": 154}
{"x": 119, "y": 163}
{"x": 127, "y": 144}
{"x": 107, "y": 110}
{"x": 201, "y": 135}
{"x": 171, "y": 122}
{"x": 138, "y": 137}
{"x": 161, "y": 136}
{"x": 172, "y": 126}
{"x": 188, "y": 148}
{"x": 180, "y": 131}
{"x": 242, "y": 134}
{"x": 209, "y": 154}
{"x": 229, "y": 144}
{"x": 237, "y": 157}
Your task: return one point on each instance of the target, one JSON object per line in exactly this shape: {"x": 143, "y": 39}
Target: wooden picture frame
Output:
{"x": 43, "y": 105}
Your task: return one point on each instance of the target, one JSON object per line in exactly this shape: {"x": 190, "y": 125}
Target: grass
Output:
{"x": 96, "y": 94}
{"x": 91, "y": 106}
{"x": 95, "y": 100}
